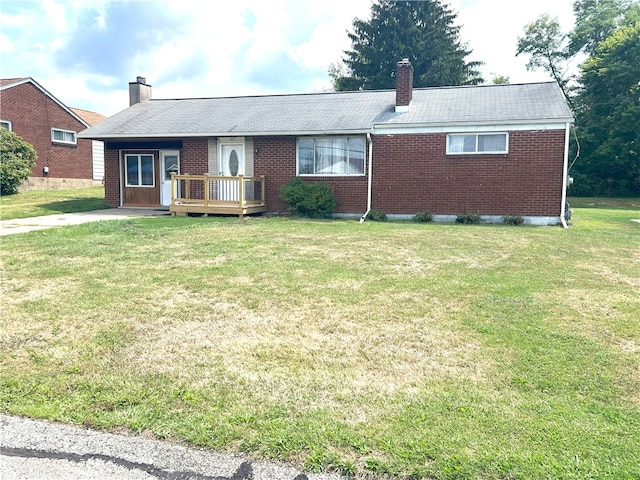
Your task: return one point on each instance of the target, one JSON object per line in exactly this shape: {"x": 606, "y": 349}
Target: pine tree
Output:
{"x": 424, "y": 32}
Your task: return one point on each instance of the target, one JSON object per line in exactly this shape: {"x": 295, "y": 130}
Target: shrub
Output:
{"x": 513, "y": 220}
{"x": 314, "y": 200}
{"x": 377, "y": 216}
{"x": 423, "y": 217}
{"x": 468, "y": 218}
{"x": 17, "y": 158}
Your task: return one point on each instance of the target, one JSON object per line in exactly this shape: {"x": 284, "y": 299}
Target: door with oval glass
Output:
{"x": 231, "y": 165}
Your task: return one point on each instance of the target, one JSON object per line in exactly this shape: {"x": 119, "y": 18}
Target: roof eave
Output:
{"x": 451, "y": 126}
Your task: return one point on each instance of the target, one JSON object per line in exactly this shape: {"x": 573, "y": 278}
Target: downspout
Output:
{"x": 565, "y": 177}
{"x": 369, "y": 180}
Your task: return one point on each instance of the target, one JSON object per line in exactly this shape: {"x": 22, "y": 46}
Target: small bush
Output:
{"x": 314, "y": 200}
{"x": 423, "y": 217}
{"x": 468, "y": 218}
{"x": 513, "y": 220}
{"x": 377, "y": 216}
{"x": 17, "y": 158}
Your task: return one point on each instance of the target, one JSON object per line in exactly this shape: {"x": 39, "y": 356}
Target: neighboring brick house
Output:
{"x": 64, "y": 161}
{"x": 493, "y": 150}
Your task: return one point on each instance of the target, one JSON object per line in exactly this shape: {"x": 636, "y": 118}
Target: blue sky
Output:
{"x": 84, "y": 52}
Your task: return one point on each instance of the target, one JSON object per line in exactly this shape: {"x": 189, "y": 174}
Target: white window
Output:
{"x": 336, "y": 156}
{"x": 63, "y": 136}
{"x": 6, "y": 124}
{"x": 477, "y": 143}
{"x": 139, "y": 171}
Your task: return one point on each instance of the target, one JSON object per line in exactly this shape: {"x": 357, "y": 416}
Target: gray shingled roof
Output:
{"x": 339, "y": 112}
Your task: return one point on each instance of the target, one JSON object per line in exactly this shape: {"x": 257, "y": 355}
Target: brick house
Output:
{"x": 493, "y": 150}
{"x": 64, "y": 161}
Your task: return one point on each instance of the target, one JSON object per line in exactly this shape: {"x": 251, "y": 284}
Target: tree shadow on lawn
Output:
{"x": 75, "y": 205}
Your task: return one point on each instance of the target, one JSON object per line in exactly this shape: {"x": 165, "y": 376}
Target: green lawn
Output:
{"x": 33, "y": 203}
{"x": 438, "y": 351}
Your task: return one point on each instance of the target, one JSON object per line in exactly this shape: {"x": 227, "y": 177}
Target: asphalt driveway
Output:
{"x": 40, "y": 450}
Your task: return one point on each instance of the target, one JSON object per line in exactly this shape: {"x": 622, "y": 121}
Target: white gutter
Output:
{"x": 370, "y": 142}
{"x": 565, "y": 171}
{"x": 225, "y": 133}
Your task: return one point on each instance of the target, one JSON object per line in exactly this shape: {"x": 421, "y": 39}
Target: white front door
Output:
{"x": 231, "y": 165}
{"x": 169, "y": 163}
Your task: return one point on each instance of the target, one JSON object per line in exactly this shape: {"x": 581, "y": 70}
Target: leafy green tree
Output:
{"x": 17, "y": 158}
{"x": 608, "y": 117}
{"x": 424, "y": 32}
{"x": 595, "y": 21}
{"x": 547, "y": 45}
{"x": 603, "y": 96}
{"x": 499, "y": 80}
{"x": 553, "y": 50}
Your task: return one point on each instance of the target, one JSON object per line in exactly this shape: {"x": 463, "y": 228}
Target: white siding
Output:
{"x": 213, "y": 157}
{"x": 97, "y": 148}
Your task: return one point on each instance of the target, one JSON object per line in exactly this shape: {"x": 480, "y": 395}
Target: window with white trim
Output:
{"x": 463, "y": 143}
{"x": 63, "y": 136}
{"x": 331, "y": 156}
{"x": 6, "y": 124}
{"x": 139, "y": 171}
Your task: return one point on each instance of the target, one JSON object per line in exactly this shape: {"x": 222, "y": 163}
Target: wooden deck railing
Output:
{"x": 212, "y": 194}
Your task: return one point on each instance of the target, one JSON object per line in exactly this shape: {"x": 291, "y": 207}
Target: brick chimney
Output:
{"x": 404, "y": 85}
{"x": 139, "y": 91}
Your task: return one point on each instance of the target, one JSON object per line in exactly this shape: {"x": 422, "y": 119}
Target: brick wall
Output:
{"x": 33, "y": 114}
{"x": 194, "y": 156}
{"x": 111, "y": 178}
{"x": 276, "y": 160}
{"x": 412, "y": 173}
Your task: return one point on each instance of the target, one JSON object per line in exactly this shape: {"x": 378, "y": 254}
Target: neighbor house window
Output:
{"x": 6, "y": 124}
{"x": 63, "y": 136}
{"x": 139, "y": 171}
{"x": 331, "y": 156}
{"x": 477, "y": 143}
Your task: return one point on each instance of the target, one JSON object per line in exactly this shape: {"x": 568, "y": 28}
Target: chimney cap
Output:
{"x": 141, "y": 80}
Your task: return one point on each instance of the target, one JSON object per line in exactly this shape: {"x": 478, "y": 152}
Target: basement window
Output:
{"x": 6, "y": 124}
{"x": 465, "y": 143}
{"x": 63, "y": 136}
{"x": 331, "y": 156}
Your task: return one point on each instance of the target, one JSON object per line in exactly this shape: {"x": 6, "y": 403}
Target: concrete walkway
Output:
{"x": 39, "y": 450}
{"x": 23, "y": 225}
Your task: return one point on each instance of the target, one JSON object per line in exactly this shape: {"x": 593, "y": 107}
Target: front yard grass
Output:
{"x": 33, "y": 203}
{"x": 401, "y": 349}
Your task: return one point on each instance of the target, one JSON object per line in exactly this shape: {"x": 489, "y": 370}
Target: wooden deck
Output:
{"x": 216, "y": 195}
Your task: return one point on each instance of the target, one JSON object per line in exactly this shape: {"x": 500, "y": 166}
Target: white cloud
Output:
{"x": 237, "y": 47}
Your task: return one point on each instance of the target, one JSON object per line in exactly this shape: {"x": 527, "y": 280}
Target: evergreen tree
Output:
{"x": 424, "y": 32}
